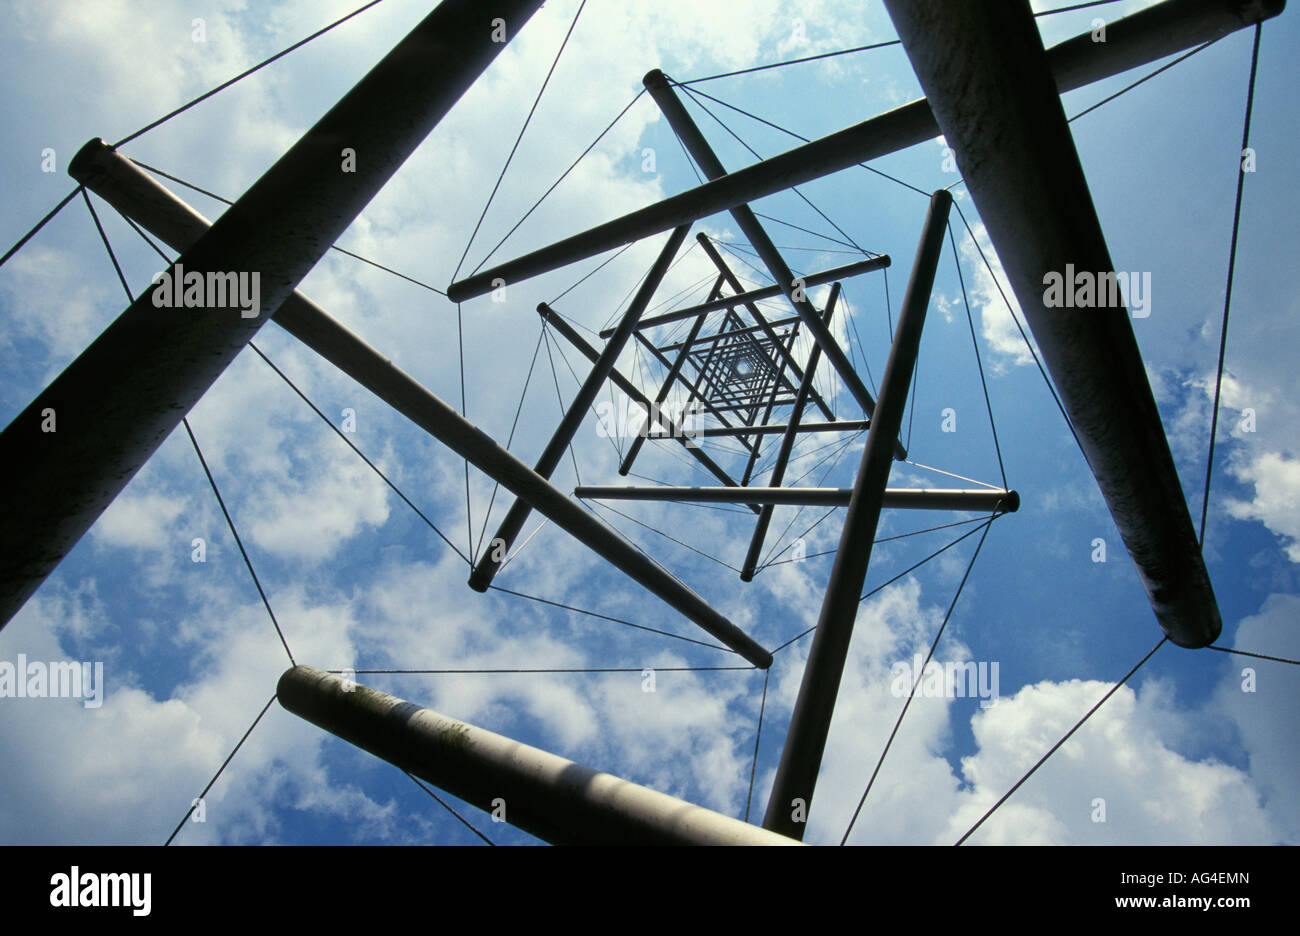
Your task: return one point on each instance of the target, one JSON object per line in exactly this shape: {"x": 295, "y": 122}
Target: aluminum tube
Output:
{"x": 764, "y": 325}
{"x": 1143, "y": 37}
{"x": 674, "y": 428}
{"x": 494, "y": 557}
{"x": 687, "y": 131}
{"x": 787, "y": 446}
{"x": 719, "y": 336}
{"x": 126, "y": 392}
{"x": 763, "y": 292}
{"x": 767, "y": 413}
{"x": 988, "y": 80}
{"x": 801, "y": 758}
{"x": 980, "y": 500}
{"x": 126, "y": 186}
{"x": 634, "y": 448}
{"x": 842, "y": 425}
{"x": 549, "y": 796}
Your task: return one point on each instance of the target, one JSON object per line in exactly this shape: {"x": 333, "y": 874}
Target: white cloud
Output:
{"x": 1255, "y": 443}
{"x": 1263, "y": 702}
{"x": 1151, "y": 793}
{"x": 128, "y": 771}
{"x": 1276, "y": 478}
{"x": 140, "y": 521}
{"x": 996, "y": 324}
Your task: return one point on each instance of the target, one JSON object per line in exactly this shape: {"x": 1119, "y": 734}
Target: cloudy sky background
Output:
{"x": 1180, "y": 755}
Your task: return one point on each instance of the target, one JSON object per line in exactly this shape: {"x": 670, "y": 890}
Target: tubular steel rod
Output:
{"x": 758, "y": 316}
{"x": 494, "y": 557}
{"x": 635, "y": 447}
{"x": 124, "y": 185}
{"x": 992, "y": 92}
{"x": 764, "y": 292}
{"x": 796, "y": 774}
{"x": 692, "y": 386}
{"x": 767, "y": 412}
{"x": 744, "y": 406}
{"x": 980, "y": 500}
{"x": 787, "y": 446}
{"x": 842, "y": 425}
{"x": 549, "y": 796}
{"x": 720, "y": 336}
{"x": 1138, "y": 39}
{"x": 675, "y": 429}
{"x": 127, "y": 391}
{"x": 685, "y": 128}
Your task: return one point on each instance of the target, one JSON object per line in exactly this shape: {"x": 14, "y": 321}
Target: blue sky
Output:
{"x": 1181, "y": 755}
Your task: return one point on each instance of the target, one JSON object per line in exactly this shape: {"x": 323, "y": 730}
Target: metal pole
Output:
{"x": 787, "y": 446}
{"x": 762, "y": 321}
{"x": 125, "y": 393}
{"x": 763, "y": 292}
{"x": 841, "y": 425}
{"x": 992, "y": 91}
{"x": 684, "y": 126}
{"x": 696, "y": 393}
{"x": 771, "y": 404}
{"x": 979, "y": 500}
{"x": 635, "y": 447}
{"x": 746, "y": 330}
{"x": 544, "y": 794}
{"x": 1139, "y": 39}
{"x": 796, "y": 775}
{"x": 1160, "y": 30}
{"x": 495, "y": 555}
{"x": 126, "y": 186}
{"x": 675, "y": 429}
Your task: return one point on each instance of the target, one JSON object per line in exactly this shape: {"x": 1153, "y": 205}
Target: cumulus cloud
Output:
{"x": 1276, "y": 479}
{"x": 140, "y": 521}
{"x": 127, "y": 771}
{"x": 1118, "y": 762}
{"x": 997, "y": 326}
{"x": 1122, "y": 779}
{"x": 1261, "y": 696}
